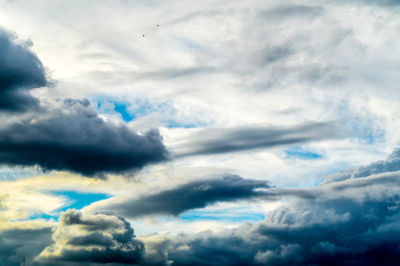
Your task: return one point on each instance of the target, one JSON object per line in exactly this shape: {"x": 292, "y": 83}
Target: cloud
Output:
{"x": 215, "y": 141}
{"x": 352, "y": 226}
{"x": 17, "y": 243}
{"x": 73, "y": 137}
{"x": 383, "y": 3}
{"x": 265, "y": 64}
{"x": 391, "y": 164}
{"x": 20, "y": 72}
{"x": 347, "y": 222}
{"x": 92, "y": 238}
{"x": 70, "y": 136}
{"x": 192, "y": 195}
{"x": 293, "y": 11}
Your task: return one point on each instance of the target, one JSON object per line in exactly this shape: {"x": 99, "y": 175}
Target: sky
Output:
{"x": 155, "y": 132}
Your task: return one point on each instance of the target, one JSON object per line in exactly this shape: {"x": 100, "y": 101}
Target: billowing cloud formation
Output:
{"x": 391, "y": 164}
{"x": 92, "y": 238}
{"x": 196, "y": 194}
{"x": 74, "y": 138}
{"x": 20, "y": 71}
{"x": 214, "y": 141}
{"x": 350, "y": 222}
{"x": 353, "y": 222}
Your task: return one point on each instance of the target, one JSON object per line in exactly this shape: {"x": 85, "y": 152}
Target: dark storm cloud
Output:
{"x": 353, "y": 226}
{"x": 20, "y": 72}
{"x": 92, "y": 238}
{"x": 391, "y": 164}
{"x": 196, "y": 194}
{"x": 214, "y": 141}
{"x": 15, "y": 244}
{"x": 73, "y": 137}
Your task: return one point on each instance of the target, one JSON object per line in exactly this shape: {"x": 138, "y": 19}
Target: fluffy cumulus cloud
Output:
{"x": 20, "y": 71}
{"x": 92, "y": 238}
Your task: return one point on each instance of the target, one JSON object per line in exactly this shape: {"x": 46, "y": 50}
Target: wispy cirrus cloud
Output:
{"x": 225, "y": 140}
{"x": 191, "y": 195}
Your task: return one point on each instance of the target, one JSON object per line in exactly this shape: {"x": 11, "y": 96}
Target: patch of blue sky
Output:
{"x": 78, "y": 200}
{"x": 43, "y": 216}
{"x": 176, "y": 124}
{"x": 372, "y": 138}
{"x": 122, "y": 108}
{"x": 222, "y": 216}
{"x": 132, "y": 110}
{"x": 366, "y": 130}
{"x": 369, "y": 136}
{"x": 73, "y": 200}
{"x": 300, "y": 152}
{"x": 361, "y": 125}
{"x": 139, "y": 108}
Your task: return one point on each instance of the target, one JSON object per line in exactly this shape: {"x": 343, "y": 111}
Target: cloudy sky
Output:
{"x": 207, "y": 132}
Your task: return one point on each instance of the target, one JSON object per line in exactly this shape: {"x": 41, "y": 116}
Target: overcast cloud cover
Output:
{"x": 199, "y": 132}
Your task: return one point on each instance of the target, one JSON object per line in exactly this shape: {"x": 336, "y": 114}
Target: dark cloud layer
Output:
{"x": 214, "y": 141}
{"x": 18, "y": 243}
{"x": 20, "y": 71}
{"x": 196, "y": 194}
{"x": 74, "y": 138}
{"x": 357, "y": 225}
{"x": 351, "y": 222}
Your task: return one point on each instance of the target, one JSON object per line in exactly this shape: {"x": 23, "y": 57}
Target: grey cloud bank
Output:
{"x": 391, "y": 164}
{"x": 355, "y": 226}
{"x": 350, "y": 222}
{"x": 192, "y": 195}
{"x": 215, "y": 141}
{"x": 74, "y": 138}
{"x": 20, "y": 72}
{"x": 17, "y": 243}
